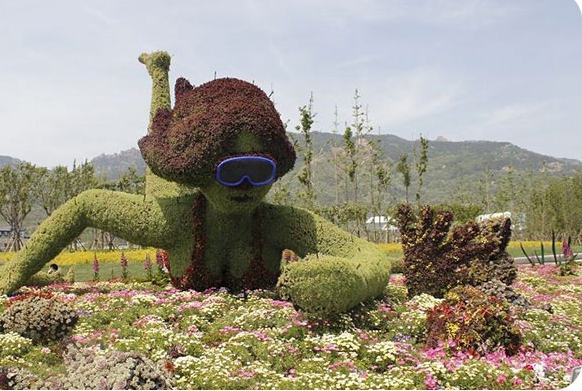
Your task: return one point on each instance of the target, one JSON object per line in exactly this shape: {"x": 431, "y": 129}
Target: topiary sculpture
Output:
{"x": 212, "y": 159}
{"x": 439, "y": 257}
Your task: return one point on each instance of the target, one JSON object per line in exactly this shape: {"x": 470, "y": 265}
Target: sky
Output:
{"x": 71, "y": 87}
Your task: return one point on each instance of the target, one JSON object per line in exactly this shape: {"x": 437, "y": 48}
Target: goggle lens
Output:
{"x": 258, "y": 170}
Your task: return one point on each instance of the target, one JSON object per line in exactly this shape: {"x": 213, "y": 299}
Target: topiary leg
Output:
{"x": 124, "y": 215}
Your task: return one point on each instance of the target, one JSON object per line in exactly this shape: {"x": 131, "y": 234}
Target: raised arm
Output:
{"x": 124, "y": 215}
{"x": 158, "y": 67}
{"x": 338, "y": 270}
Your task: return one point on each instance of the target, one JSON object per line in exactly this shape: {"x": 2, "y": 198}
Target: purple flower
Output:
{"x": 123, "y": 261}
{"x": 95, "y": 264}
{"x": 567, "y": 250}
{"x": 147, "y": 263}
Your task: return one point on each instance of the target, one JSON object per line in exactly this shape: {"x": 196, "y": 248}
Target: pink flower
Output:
{"x": 501, "y": 379}
{"x": 192, "y": 329}
{"x": 281, "y": 303}
{"x": 430, "y": 382}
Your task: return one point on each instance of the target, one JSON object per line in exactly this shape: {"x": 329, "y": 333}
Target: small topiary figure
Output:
{"x": 438, "y": 258}
{"x": 212, "y": 159}
{"x": 39, "y": 317}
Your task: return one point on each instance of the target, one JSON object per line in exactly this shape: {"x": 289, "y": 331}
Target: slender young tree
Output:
{"x": 350, "y": 159}
{"x": 54, "y": 189}
{"x": 421, "y": 164}
{"x": 485, "y": 191}
{"x": 335, "y": 158}
{"x": 129, "y": 182}
{"x": 305, "y": 176}
{"x": 19, "y": 191}
{"x": 404, "y": 169}
{"x": 358, "y": 132}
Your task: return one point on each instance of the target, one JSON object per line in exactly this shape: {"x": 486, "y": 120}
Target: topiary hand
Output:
{"x": 438, "y": 257}
{"x": 322, "y": 285}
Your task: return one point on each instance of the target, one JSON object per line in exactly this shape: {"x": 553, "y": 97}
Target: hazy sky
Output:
{"x": 503, "y": 70}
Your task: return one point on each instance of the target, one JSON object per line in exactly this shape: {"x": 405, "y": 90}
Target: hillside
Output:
{"x": 453, "y": 167}
{"x": 8, "y": 161}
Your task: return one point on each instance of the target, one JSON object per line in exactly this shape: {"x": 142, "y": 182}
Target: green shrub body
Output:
{"x": 438, "y": 258}
{"x": 472, "y": 321}
{"x": 215, "y": 235}
{"x": 39, "y": 318}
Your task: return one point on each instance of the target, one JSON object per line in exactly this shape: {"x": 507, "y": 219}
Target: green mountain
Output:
{"x": 8, "y": 161}
{"x": 454, "y": 169}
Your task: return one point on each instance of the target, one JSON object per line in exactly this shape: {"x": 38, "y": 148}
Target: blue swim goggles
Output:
{"x": 258, "y": 170}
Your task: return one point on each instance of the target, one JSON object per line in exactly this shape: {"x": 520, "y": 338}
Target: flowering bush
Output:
{"x": 471, "y": 321}
{"x": 39, "y": 317}
{"x": 218, "y": 340}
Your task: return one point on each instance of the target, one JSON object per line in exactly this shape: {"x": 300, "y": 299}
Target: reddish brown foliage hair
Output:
{"x": 186, "y": 143}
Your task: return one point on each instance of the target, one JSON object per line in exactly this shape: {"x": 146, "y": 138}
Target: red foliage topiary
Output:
{"x": 186, "y": 143}
{"x": 438, "y": 258}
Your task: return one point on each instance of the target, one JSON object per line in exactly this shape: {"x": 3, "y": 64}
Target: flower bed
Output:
{"x": 215, "y": 340}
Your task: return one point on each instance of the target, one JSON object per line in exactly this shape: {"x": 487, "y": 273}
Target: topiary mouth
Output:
{"x": 242, "y": 198}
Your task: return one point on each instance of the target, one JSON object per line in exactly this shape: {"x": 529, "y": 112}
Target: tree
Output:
{"x": 358, "y": 129}
{"x": 350, "y": 159}
{"x": 55, "y": 189}
{"x": 556, "y": 205}
{"x": 305, "y": 176}
{"x": 60, "y": 185}
{"x": 485, "y": 185}
{"x": 421, "y": 164}
{"x": 506, "y": 193}
{"x": 404, "y": 168}
{"x": 335, "y": 160}
{"x": 19, "y": 191}
{"x": 128, "y": 182}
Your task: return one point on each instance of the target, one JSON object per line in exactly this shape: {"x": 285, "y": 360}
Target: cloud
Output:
{"x": 460, "y": 13}
{"x": 519, "y": 117}
{"x": 415, "y": 94}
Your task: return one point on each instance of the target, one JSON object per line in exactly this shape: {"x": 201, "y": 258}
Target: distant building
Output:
{"x": 498, "y": 215}
{"x": 383, "y": 223}
{"x": 6, "y": 235}
{"x": 517, "y": 221}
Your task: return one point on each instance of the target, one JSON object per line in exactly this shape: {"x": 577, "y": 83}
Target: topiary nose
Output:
{"x": 245, "y": 185}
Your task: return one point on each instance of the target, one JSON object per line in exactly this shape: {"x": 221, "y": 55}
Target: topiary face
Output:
{"x": 244, "y": 198}
{"x": 187, "y": 143}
